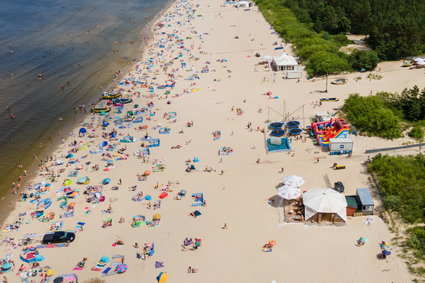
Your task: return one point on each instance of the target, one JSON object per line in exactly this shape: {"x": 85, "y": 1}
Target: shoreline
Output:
{"x": 8, "y": 200}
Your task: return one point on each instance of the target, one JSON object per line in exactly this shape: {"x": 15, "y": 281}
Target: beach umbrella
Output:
{"x": 152, "y": 251}
{"x": 45, "y": 203}
{"x": 162, "y": 277}
{"x": 105, "y": 124}
{"x": 294, "y": 181}
{"x": 197, "y": 213}
{"x": 83, "y": 131}
{"x": 148, "y": 197}
{"x": 104, "y": 143}
{"x": 6, "y": 266}
{"x": 67, "y": 182}
{"x": 289, "y": 192}
{"x": 69, "y": 155}
{"x": 50, "y": 272}
{"x": 83, "y": 180}
{"x": 386, "y": 252}
{"x": 106, "y": 181}
{"x": 105, "y": 259}
{"x": 121, "y": 268}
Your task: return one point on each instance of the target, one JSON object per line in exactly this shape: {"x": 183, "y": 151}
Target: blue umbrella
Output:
{"x": 105, "y": 123}
{"x": 83, "y": 131}
{"x": 386, "y": 252}
{"x": 104, "y": 143}
{"x": 148, "y": 197}
{"x": 69, "y": 155}
{"x": 105, "y": 259}
{"x": 6, "y": 266}
{"x": 152, "y": 250}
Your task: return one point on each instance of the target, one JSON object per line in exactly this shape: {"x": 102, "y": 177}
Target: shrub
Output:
{"x": 417, "y": 133}
{"x": 401, "y": 181}
{"x": 416, "y": 241}
{"x": 360, "y": 59}
{"x": 369, "y": 115}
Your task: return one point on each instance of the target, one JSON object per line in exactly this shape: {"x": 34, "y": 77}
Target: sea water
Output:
{"x": 77, "y": 47}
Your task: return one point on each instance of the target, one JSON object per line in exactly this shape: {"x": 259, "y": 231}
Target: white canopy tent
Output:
{"x": 325, "y": 203}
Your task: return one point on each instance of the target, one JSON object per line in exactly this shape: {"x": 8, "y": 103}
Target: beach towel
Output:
{"x": 106, "y": 271}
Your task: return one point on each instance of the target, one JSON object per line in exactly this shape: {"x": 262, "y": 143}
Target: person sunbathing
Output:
{"x": 192, "y": 270}
{"x": 82, "y": 263}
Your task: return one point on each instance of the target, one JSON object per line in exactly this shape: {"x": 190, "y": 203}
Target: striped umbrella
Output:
{"x": 121, "y": 268}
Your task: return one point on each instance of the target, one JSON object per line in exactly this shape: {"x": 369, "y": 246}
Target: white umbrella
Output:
{"x": 294, "y": 181}
{"x": 289, "y": 192}
{"x": 267, "y": 58}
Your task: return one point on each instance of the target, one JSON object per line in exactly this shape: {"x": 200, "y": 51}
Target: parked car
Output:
{"x": 339, "y": 187}
{"x": 58, "y": 237}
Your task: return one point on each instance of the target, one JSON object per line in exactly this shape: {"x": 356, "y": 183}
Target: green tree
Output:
{"x": 364, "y": 59}
{"x": 369, "y": 115}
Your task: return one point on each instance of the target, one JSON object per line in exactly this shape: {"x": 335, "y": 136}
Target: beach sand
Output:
{"x": 239, "y": 195}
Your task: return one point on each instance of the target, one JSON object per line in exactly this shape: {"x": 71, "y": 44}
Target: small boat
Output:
{"x": 407, "y": 63}
{"x": 329, "y": 99}
{"x": 107, "y": 95}
{"x": 339, "y": 81}
{"x": 121, "y": 101}
{"x": 100, "y": 109}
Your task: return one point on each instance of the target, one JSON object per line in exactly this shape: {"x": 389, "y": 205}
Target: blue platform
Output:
{"x": 284, "y": 146}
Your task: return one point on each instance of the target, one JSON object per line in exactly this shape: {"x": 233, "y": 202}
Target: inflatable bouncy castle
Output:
{"x": 326, "y": 130}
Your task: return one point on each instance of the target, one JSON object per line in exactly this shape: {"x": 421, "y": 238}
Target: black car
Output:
{"x": 58, "y": 237}
{"x": 339, "y": 187}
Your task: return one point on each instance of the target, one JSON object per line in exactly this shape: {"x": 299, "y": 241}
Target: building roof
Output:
{"x": 324, "y": 201}
{"x": 419, "y": 61}
{"x": 365, "y": 197}
{"x": 344, "y": 140}
{"x": 285, "y": 60}
{"x": 351, "y": 201}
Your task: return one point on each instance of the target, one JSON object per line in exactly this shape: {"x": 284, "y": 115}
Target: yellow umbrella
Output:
{"x": 162, "y": 277}
{"x": 50, "y": 272}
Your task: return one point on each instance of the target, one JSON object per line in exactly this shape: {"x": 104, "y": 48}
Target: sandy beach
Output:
{"x": 215, "y": 46}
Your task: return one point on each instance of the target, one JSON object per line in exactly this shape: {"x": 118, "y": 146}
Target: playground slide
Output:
{"x": 332, "y": 134}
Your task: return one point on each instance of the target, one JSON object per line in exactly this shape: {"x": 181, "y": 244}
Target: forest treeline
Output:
{"x": 395, "y": 28}
{"x": 319, "y": 51}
